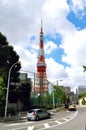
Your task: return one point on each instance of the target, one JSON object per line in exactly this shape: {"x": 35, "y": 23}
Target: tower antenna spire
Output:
{"x": 41, "y": 27}
{"x": 41, "y": 23}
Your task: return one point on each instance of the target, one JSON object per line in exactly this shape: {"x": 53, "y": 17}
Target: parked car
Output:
{"x": 37, "y": 114}
{"x": 72, "y": 107}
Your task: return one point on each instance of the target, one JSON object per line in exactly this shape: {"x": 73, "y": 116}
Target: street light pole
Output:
{"x": 6, "y": 104}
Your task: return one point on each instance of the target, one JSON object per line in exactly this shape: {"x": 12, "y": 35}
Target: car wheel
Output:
{"x": 48, "y": 115}
{"x": 37, "y": 118}
{"x": 28, "y": 119}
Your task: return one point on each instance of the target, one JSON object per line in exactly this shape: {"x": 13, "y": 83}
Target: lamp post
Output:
{"x": 6, "y": 104}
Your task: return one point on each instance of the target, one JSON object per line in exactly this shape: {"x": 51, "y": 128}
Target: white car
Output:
{"x": 36, "y": 114}
{"x": 72, "y": 107}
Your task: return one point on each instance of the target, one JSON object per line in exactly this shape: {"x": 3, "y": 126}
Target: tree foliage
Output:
{"x": 8, "y": 57}
{"x": 2, "y": 91}
{"x": 59, "y": 94}
{"x": 24, "y": 95}
{"x": 82, "y": 95}
{"x": 84, "y": 67}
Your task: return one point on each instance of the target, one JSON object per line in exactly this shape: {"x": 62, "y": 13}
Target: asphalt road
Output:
{"x": 77, "y": 123}
{"x": 2, "y": 127}
{"x": 63, "y": 120}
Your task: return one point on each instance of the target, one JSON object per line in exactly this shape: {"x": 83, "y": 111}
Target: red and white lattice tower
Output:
{"x": 41, "y": 83}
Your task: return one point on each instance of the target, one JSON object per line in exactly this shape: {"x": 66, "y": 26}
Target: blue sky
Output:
{"x": 64, "y": 29}
{"x": 80, "y": 23}
{"x": 55, "y": 54}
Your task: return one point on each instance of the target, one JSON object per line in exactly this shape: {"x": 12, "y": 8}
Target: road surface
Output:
{"x": 63, "y": 120}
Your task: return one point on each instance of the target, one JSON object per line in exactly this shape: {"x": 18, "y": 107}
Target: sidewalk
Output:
{"x": 16, "y": 118}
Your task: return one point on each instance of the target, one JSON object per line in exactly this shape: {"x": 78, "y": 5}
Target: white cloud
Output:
{"x": 75, "y": 48}
{"x": 20, "y": 21}
{"x": 18, "y": 17}
{"x": 28, "y": 59}
{"x": 55, "y": 71}
{"x": 75, "y": 52}
{"x": 55, "y": 12}
{"x": 54, "y": 8}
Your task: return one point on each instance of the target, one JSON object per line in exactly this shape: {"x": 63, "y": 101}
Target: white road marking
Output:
{"x": 30, "y": 128}
{"x": 65, "y": 119}
{"x": 58, "y": 122}
{"x": 46, "y": 125}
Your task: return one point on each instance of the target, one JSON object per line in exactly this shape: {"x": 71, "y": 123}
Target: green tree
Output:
{"x": 2, "y": 91}
{"x": 82, "y": 95}
{"x": 59, "y": 94}
{"x": 8, "y": 57}
{"x": 84, "y": 67}
{"x": 24, "y": 95}
{"x": 49, "y": 100}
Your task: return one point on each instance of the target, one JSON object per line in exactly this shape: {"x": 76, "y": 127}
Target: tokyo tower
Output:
{"x": 41, "y": 83}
